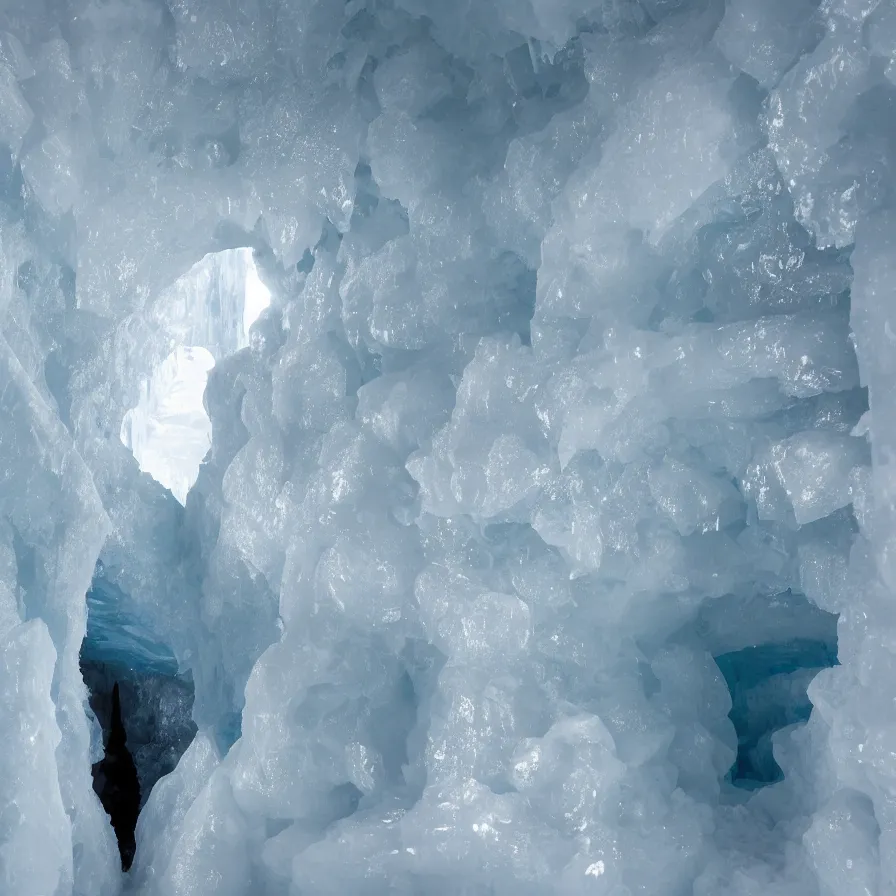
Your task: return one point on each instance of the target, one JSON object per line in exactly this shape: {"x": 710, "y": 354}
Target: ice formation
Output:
{"x": 545, "y": 542}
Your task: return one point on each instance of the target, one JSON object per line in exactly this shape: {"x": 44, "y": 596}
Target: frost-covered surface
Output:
{"x": 576, "y": 379}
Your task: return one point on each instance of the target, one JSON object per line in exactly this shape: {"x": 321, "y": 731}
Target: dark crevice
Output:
{"x": 146, "y": 722}
{"x": 768, "y": 685}
{"x": 117, "y": 785}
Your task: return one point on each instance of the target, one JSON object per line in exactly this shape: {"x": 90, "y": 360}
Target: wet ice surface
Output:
{"x": 538, "y": 536}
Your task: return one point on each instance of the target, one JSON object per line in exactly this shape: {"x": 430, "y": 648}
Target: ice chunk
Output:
{"x": 495, "y": 394}
{"x": 37, "y": 451}
{"x": 332, "y": 865}
{"x": 815, "y": 470}
{"x": 566, "y": 774}
{"x": 807, "y": 354}
{"x": 411, "y": 81}
{"x": 668, "y": 148}
{"x": 492, "y": 833}
{"x": 300, "y": 157}
{"x": 13, "y": 53}
{"x": 215, "y": 40}
{"x": 882, "y": 36}
{"x": 15, "y": 113}
{"x": 819, "y": 89}
{"x": 161, "y": 821}
{"x": 875, "y": 262}
{"x": 764, "y": 38}
{"x": 852, "y": 11}
{"x": 405, "y": 411}
{"x": 659, "y": 9}
{"x": 51, "y": 170}
{"x": 471, "y": 627}
{"x": 692, "y": 498}
{"x": 35, "y": 835}
{"x": 122, "y": 234}
{"x": 843, "y": 844}
{"x": 592, "y": 510}
{"x": 692, "y": 688}
{"x": 477, "y": 722}
{"x": 765, "y": 260}
{"x": 211, "y": 850}
{"x": 513, "y": 473}
{"x": 369, "y": 576}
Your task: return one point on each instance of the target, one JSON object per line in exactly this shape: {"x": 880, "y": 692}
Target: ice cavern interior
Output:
{"x": 448, "y": 448}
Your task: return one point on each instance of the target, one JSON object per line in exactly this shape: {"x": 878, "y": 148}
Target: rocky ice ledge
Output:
{"x": 544, "y": 496}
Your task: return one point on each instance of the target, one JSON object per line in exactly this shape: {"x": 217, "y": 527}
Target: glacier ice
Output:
{"x": 516, "y": 381}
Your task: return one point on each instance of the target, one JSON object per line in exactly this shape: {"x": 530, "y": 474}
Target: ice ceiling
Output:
{"x": 543, "y": 539}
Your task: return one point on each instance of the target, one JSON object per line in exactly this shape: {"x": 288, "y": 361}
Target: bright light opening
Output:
{"x": 258, "y": 296}
{"x": 168, "y": 432}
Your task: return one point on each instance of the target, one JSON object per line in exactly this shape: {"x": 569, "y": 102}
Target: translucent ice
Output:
{"x": 533, "y": 531}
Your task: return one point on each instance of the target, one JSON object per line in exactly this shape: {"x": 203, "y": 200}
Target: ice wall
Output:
{"x": 532, "y": 502}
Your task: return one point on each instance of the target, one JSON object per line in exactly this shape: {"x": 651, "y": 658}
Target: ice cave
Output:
{"x": 448, "y": 449}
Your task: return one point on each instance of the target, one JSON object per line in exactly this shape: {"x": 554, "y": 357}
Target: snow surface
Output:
{"x": 545, "y": 542}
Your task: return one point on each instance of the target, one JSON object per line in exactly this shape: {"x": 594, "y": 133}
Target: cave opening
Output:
{"x": 768, "y": 648}
{"x": 142, "y": 708}
{"x": 768, "y": 684}
{"x": 140, "y": 698}
{"x": 209, "y": 313}
{"x": 144, "y": 725}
